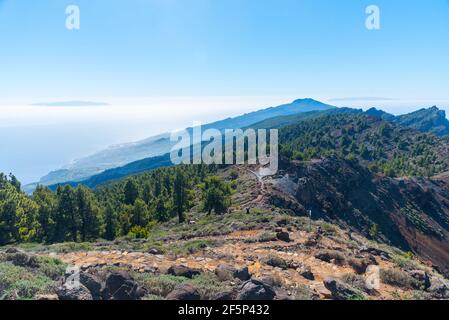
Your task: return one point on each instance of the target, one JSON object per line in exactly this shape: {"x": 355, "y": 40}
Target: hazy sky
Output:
{"x": 224, "y": 48}
{"x": 162, "y": 64}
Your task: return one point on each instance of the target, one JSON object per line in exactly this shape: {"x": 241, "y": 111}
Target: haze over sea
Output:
{"x": 38, "y": 139}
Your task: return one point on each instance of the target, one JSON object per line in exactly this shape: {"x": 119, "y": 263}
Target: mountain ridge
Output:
{"x": 119, "y": 155}
{"x": 431, "y": 120}
{"x": 387, "y": 164}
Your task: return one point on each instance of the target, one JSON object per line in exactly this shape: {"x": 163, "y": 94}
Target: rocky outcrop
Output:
{"x": 184, "y": 292}
{"x": 283, "y": 236}
{"x": 340, "y": 290}
{"x": 256, "y": 290}
{"x": 306, "y": 272}
{"x": 73, "y": 292}
{"x": 120, "y": 285}
{"x": 331, "y": 256}
{"x": 422, "y": 277}
{"x": 183, "y": 271}
{"x": 92, "y": 283}
{"x": 225, "y": 272}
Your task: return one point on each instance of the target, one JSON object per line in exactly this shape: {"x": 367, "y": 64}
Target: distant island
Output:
{"x": 71, "y": 104}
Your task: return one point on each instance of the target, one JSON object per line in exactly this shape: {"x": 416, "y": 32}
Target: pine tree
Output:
{"x": 140, "y": 213}
{"x": 180, "y": 194}
{"x": 88, "y": 212}
{"x": 161, "y": 212}
{"x": 131, "y": 192}
{"x": 157, "y": 187}
{"x": 216, "y": 195}
{"x": 47, "y": 203}
{"x": 146, "y": 193}
{"x": 15, "y": 183}
{"x": 110, "y": 223}
{"x": 8, "y": 215}
{"x": 125, "y": 219}
{"x": 67, "y": 218}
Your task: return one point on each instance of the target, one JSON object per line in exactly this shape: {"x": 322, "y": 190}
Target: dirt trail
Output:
{"x": 235, "y": 251}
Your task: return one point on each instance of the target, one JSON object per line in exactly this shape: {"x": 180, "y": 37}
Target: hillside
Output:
{"x": 267, "y": 253}
{"x": 380, "y": 145}
{"x": 430, "y": 120}
{"x": 410, "y": 214}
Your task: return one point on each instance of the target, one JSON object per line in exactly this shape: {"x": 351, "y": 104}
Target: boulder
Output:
{"x": 225, "y": 272}
{"x": 306, "y": 272}
{"x": 276, "y": 262}
{"x": 340, "y": 290}
{"x": 120, "y": 285}
{"x": 256, "y": 290}
{"x": 242, "y": 274}
{"x": 183, "y": 271}
{"x": 92, "y": 283}
{"x": 331, "y": 256}
{"x": 283, "y": 236}
{"x": 422, "y": 277}
{"x": 184, "y": 292}
{"x": 73, "y": 292}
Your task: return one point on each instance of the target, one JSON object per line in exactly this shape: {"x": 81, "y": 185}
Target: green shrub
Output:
{"x": 19, "y": 283}
{"x": 158, "y": 285}
{"x": 404, "y": 261}
{"x": 207, "y": 284}
{"x": 409, "y": 255}
{"x": 373, "y": 231}
{"x": 138, "y": 232}
{"x": 51, "y": 267}
{"x": 267, "y": 237}
{"x": 329, "y": 228}
{"x": 398, "y": 278}
{"x": 191, "y": 247}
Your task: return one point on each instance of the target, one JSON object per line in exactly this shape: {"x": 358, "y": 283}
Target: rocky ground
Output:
{"x": 256, "y": 251}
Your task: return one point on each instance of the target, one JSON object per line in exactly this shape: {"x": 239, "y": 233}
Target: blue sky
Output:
{"x": 224, "y": 48}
